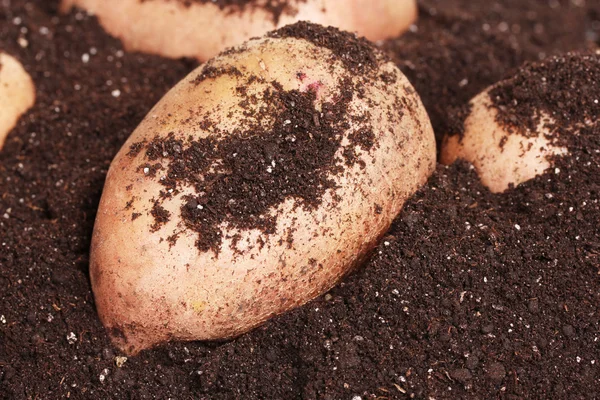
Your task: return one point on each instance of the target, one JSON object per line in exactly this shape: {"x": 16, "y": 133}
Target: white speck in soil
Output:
{"x": 103, "y": 375}
{"x": 71, "y": 338}
{"x": 120, "y": 361}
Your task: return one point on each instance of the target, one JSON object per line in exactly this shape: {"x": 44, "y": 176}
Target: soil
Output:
{"x": 470, "y": 295}
{"x": 358, "y": 54}
{"x": 563, "y": 87}
{"x": 460, "y": 47}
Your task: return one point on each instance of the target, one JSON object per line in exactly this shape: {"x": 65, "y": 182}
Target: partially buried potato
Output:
{"x": 254, "y": 185}
{"x": 519, "y": 127}
{"x": 203, "y": 28}
{"x": 17, "y": 94}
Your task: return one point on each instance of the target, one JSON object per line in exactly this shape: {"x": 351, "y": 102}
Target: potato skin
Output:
{"x": 17, "y": 94}
{"x": 149, "y": 291}
{"x": 170, "y": 29}
{"x": 500, "y": 158}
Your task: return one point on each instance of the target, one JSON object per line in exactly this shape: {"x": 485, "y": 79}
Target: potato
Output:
{"x": 524, "y": 125}
{"x": 202, "y": 29}
{"x": 17, "y": 94}
{"x": 500, "y": 157}
{"x": 254, "y": 185}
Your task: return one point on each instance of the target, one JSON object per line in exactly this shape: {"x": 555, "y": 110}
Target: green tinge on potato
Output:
{"x": 254, "y": 185}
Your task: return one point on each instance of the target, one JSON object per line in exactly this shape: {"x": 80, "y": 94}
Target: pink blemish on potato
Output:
{"x": 311, "y": 85}
{"x": 316, "y": 86}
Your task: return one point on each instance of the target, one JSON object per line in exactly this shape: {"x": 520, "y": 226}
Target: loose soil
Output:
{"x": 470, "y": 295}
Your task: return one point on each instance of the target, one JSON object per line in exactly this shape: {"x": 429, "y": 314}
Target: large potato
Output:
{"x": 17, "y": 94}
{"x": 203, "y": 28}
{"x": 254, "y": 185}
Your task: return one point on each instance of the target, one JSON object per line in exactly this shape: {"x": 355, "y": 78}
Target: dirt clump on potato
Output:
{"x": 567, "y": 88}
{"x": 275, "y": 7}
{"x": 356, "y": 53}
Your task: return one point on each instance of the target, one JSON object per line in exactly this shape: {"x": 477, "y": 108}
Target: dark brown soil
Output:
{"x": 564, "y": 88}
{"x": 357, "y": 54}
{"x": 460, "y": 47}
{"x": 470, "y": 295}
